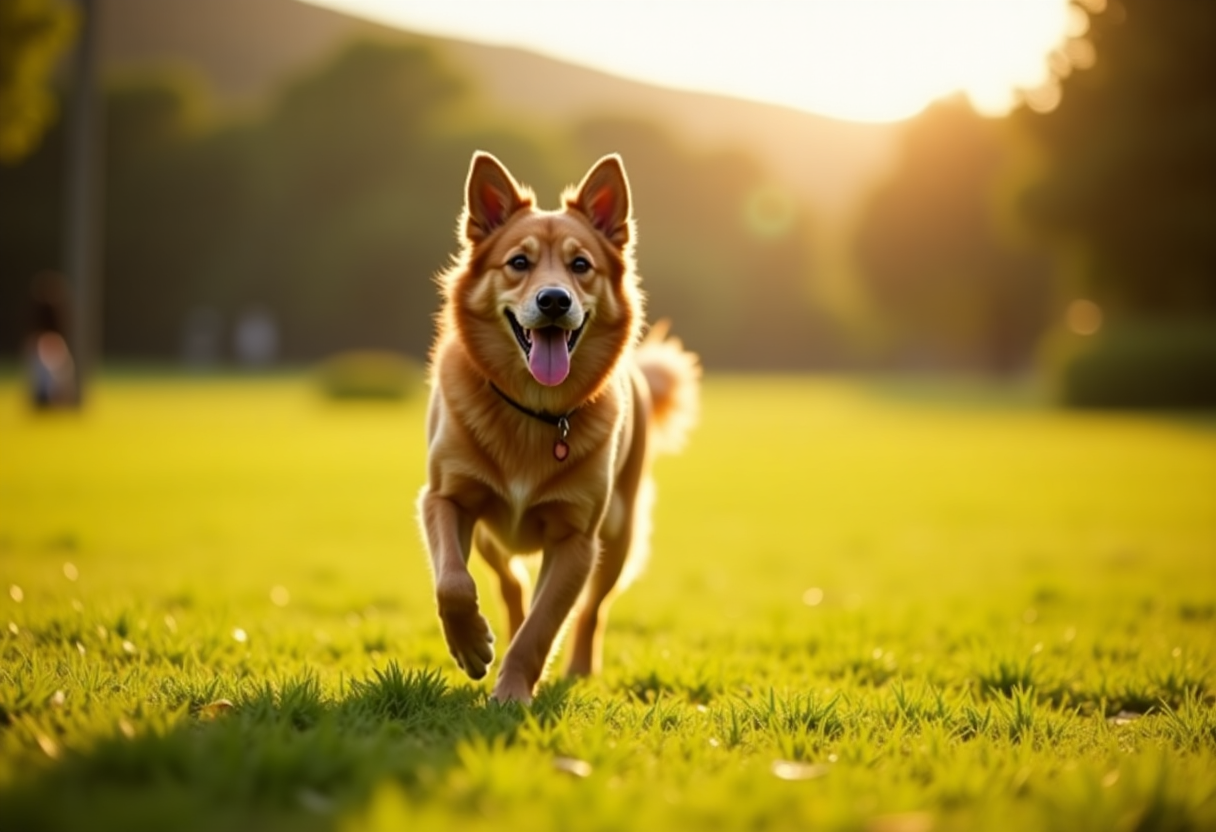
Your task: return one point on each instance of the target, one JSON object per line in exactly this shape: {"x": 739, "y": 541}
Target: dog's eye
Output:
{"x": 580, "y": 265}
{"x": 519, "y": 262}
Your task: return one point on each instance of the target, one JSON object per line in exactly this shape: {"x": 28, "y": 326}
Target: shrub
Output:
{"x": 370, "y": 374}
{"x": 1145, "y": 364}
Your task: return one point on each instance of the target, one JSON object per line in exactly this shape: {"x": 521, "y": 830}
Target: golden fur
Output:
{"x": 526, "y": 284}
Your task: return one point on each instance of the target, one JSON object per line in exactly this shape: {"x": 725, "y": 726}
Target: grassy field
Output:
{"x": 882, "y": 607}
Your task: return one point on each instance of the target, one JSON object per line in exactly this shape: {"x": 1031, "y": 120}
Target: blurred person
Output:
{"x": 256, "y": 338}
{"x": 52, "y": 368}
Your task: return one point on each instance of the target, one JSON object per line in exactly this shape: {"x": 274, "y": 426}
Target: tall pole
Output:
{"x": 82, "y": 210}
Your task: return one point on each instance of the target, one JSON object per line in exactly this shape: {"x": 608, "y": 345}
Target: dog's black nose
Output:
{"x": 554, "y": 301}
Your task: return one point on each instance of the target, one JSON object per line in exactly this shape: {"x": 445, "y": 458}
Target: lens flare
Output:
{"x": 1084, "y": 317}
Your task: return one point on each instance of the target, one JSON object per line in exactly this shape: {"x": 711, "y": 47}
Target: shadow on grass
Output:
{"x": 281, "y": 757}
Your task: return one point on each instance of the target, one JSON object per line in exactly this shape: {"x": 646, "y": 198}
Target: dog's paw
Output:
{"x": 470, "y": 642}
{"x": 512, "y": 688}
{"x": 466, "y": 630}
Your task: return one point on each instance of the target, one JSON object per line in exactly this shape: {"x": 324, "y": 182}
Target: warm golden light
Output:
{"x": 863, "y": 60}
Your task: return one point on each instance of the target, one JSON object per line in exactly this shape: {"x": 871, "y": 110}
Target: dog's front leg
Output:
{"x": 563, "y": 573}
{"x": 449, "y": 531}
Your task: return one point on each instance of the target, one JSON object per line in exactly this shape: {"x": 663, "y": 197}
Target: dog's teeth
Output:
{"x": 528, "y": 336}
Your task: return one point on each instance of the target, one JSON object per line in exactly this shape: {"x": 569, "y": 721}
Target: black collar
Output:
{"x": 560, "y": 421}
{"x": 543, "y": 415}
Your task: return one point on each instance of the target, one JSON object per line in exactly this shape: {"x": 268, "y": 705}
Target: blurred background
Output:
{"x": 270, "y": 183}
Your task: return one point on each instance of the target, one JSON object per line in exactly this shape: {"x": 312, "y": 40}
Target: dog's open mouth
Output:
{"x": 548, "y": 349}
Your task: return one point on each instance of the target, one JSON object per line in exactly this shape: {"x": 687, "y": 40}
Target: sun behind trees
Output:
{"x": 1129, "y": 175}
{"x": 1092, "y": 223}
{"x": 1126, "y": 199}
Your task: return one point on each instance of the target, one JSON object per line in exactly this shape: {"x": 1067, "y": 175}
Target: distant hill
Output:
{"x": 245, "y": 47}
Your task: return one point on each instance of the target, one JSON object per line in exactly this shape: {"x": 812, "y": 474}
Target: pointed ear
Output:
{"x": 491, "y": 197}
{"x": 603, "y": 196}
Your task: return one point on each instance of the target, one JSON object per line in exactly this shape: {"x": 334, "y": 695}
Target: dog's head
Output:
{"x": 546, "y": 302}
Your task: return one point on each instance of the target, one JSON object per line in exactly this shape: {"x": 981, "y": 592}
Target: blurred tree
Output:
{"x": 1128, "y": 186}
{"x": 946, "y": 286}
{"x": 31, "y": 203}
{"x": 33, "y": 35}
{"x": 178, "y": 194}
{"x": 358, "y": 186}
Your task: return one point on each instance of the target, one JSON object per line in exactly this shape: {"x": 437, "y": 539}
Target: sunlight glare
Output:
{"x": 861, "y": 60}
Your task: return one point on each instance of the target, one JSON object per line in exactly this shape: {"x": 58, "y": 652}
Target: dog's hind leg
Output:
{"x": 586, "y": 656}
{"x": 563, "y": 572}
{"x": 449, "y": 532}
{"x": 513, "y": 581}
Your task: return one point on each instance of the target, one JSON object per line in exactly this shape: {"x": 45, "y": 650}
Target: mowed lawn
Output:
{"x": 893, "y": 607}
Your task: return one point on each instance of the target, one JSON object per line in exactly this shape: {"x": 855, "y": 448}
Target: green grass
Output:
{"x": 883, "y": 607}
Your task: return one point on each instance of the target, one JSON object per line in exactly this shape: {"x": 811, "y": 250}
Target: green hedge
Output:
{"x": 370, "y": 374}
{"x": 1147, "y": 364}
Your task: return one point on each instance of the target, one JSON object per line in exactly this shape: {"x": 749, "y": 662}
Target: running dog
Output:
{"x": 546, "y": 410}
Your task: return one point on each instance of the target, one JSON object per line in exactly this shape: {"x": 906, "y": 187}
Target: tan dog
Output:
{"x": 544, "y": 415}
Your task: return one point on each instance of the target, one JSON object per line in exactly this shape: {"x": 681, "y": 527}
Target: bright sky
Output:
{"x": 863, "y": 60}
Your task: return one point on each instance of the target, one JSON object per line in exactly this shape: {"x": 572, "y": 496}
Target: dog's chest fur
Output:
{"x": 517, "y": 490}
{"x": 528, "y": 506}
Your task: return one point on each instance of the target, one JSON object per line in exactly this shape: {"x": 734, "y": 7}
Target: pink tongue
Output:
{"x": 549, "y": 361}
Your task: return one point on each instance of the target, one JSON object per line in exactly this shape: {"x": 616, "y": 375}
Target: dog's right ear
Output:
{"x": 491, "y": 197}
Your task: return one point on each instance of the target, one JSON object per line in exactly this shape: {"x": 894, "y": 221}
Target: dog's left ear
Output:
{"x": 603, "y": 196}
{"x": 491, "y": 197}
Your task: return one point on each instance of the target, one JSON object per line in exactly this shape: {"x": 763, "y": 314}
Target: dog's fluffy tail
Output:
{"x": 673, "y": 375}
